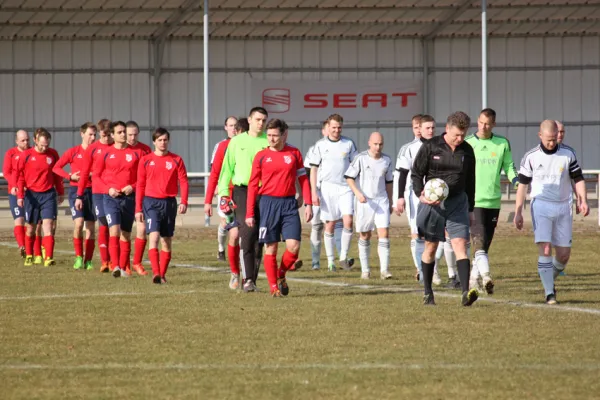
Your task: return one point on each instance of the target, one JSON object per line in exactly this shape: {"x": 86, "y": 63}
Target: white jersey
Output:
{"x": 333, "y": 159}
{"x": 405, "y": 160}
{"x": 309, "y": 156}
{"x": 550, "y": 173}
{"x": 371, "y": 174}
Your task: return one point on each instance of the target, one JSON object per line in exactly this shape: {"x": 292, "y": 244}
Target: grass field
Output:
{"x": 75, "y": 334}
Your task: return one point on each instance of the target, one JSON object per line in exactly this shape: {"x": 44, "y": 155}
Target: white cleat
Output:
{"x": 386, "y": 275}
{"x": 437, "y": 281}
{"x": 234, "y": 282}
{"x": 365, "y": 275}
{"x": 117, "y": 272}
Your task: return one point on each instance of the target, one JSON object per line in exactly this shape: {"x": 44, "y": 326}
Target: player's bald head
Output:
{"x": 376, "y": 144}
{"x": 548, "y": 134}
{"x": 376, "y": 137}
{"x": 561, "y": 131}
{"x": 549, "y": 126}
{"x": 21, "y": 134}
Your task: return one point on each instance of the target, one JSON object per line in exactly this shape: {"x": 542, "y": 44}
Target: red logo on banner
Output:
{"x": 276, "y": 100}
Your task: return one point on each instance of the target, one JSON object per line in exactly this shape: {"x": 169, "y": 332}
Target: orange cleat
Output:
{"x": 111, "y": 267}
{"x": 105, "y": 267}
{"x": 139, "y": 268}
{"x": 126, "y": 271}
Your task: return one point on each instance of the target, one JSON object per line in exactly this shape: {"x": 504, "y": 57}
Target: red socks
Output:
{"x": 287, "y": 261}
{"x": 154, "y": 261}
{"x": 270, "y": 263}
{"x": 37, "y": 246}
{"x": 138, "y": 255}
{"x": 165, "y": 259}
{"x": 124, "y": 253}
{"x": 78, "y": 246}
{"x": 233, "y": 253}
{"x": 103, "y": 243}
{"x": 19, "y": 232}
{"x": 29, "y": 240}
{"x": 48, "y": 243}
{"x": 114, "y": 250}
{"x": 89, "y": 249}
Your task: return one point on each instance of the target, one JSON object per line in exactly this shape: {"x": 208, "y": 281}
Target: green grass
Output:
{"x": 80, "y": 334}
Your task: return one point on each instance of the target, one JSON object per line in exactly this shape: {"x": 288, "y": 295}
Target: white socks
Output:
{"x": 337, "y": 233}
{"x": 383, "y": 249}
{"x": 450, "y": 258}
{"x": 482, "y": 263}
{"x": 557, "y": 267}
{"x": 364, "y": 251}
{"x": 315, "y": 242}
{"x": 346, "y": 239}
{"x": 419, "y": 249}
{"x": 221, "y": 238}
{"x": 329, "y": 245}
{"x": 545, "y": 269}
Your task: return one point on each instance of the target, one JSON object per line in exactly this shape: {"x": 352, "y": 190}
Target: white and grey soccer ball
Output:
{"x": 436, "y": 189}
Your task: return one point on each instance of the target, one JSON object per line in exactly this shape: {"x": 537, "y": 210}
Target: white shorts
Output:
{"x": 375, "y": 213}
{"x": 336, "y": 201}
{"x": 410, "y": 209}
{"x": 552, "y": 222}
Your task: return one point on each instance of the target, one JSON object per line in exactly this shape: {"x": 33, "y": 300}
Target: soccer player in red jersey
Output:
{"x": 92, "y": 153}
{"x": 132, "y": 130}
{"x": 157, "y": 178}
{"x": 277, "y": 168}
{"x": 40, "y": 200}
{"x": 75, "y": 157}
{"x": 9, "y": 169}
{"x": 116, "y": 171}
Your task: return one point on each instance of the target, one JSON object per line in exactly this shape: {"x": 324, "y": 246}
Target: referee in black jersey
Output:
{"x": 450, "y": 158}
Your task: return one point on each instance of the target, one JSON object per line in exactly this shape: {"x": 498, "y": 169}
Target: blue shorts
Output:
{"x": 98, "y": 201}
{"x": 160, "y": 215}
{"x": 120, "y": 211}
{"x": 279, "y": 219}
{"x": 87, "y": 213}
{"x": 40, "y": 206}
{"x": 16, "y": 211}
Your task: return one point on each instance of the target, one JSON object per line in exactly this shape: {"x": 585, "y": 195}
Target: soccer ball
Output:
{"x": 436, "y": 189}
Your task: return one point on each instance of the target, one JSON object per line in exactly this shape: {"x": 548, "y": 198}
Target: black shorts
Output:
{"x": 484, "y": 227}
{"x": 452, "y": 215}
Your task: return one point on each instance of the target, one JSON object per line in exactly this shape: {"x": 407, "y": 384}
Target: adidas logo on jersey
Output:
{"x": 484, "y": 148}
{"x": 539, "y": 167}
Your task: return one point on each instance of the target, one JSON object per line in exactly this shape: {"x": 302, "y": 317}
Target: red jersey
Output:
{"x": 117, "y": 168}
{"x": 91, "y": 155}
{"x": 144, "y": 148}
{"x": 75, "y": 156}
{"x": 277, "y": 171}
{"x": 215, "y": 170}
{"x": 35, "y": 172}
{"x": 157, "y": 177}
{"x": 9, "y": 167}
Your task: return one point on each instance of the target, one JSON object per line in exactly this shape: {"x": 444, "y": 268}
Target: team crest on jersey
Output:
{"x": 128, "y": 157}
{"x": 169, "y": 165}
{"x": 151, "y": 163}
{"x": 17, "y": 157}
{"x": 49, "y": 160}
{"x": 493, "y": 154}
{"x": 287, "y": 159}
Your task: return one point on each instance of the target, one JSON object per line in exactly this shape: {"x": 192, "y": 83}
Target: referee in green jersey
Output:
{"x": 492, "y": 156}
{"x": 236, "y": 169}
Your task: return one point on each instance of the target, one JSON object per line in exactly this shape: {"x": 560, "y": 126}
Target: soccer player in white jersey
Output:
{"x": 406, "y": 201}
{"x": 330, "y": 158}
{"x": 370, "y": 176}
{"x": 549, "y": 168}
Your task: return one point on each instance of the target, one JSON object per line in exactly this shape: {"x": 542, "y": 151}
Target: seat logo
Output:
{"x": 276, "y": 100}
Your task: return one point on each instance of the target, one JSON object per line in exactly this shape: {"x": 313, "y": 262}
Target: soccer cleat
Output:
{"x": 43, "y": 252}
{"x": 28, "y": 261}
{"x": 156, "y": 279}
{"x": 49, "y": 262}
{"x": 476, "y": 284}
{"x": 386, "y": 275}
{"x": 365, "y": 275}
{"x": 418, "y": 276}
{"x": 78, "y": 262}
{"x": 139, "y": 268}
{"x": 551, "y": 299}
{"x": 428, "y": 300}
{"x": 276, "y": 293}
{"x": 234, "y": 282}
{"x": 221, "y": 256}
{"x": 38, "y": 260}
{"x": 453, "y": 283}
{"x": 249, "y": 286}
{"x": 297, "y": 265}
{"x": 22, "y": 252}
{"x": 470, "y": 297}
{"x": 351, "y": 262}
{"x": 437, "y": 281}
{"x": 283, "y": 286}
{"x": 88, "y": 265}
{"x": 116, "y": 272}
{"x": 488, "y": 285}
{"x": 345, "y": 265}
{"x": 332, "y": 268}
{"x": 105, "y": 267}
{"x": 163, "y": 280}
{"x": 111, "y": 267}
{"x": 316, "y": 266}
{"x": 126, "y": 272}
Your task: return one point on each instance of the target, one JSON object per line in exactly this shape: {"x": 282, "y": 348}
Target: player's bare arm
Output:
{"x": 520, "y": 200}
{"x": 313, "y": 185}
{"x": 359, "y": 195}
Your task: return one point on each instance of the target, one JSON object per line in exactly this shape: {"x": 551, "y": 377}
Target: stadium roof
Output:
{"x": 294, "y": 19}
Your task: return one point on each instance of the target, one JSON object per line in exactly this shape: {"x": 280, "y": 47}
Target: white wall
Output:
{"x": 61, "y": 84}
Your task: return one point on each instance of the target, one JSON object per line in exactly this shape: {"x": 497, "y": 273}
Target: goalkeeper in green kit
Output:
{"x": 492, "y": 155}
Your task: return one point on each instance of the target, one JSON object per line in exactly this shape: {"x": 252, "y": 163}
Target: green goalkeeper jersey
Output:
{"x": 237, "y": 164}
{"x": 492, "y": 156}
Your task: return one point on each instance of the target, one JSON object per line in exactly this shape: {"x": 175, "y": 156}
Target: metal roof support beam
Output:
{"x": 425, "y": 50}
{"x": 447, "y": 20}
{"x": 158, "y": 51}
{"x": 175, "y": 19}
